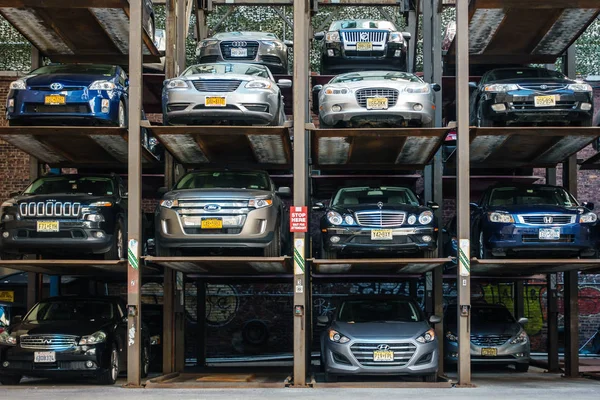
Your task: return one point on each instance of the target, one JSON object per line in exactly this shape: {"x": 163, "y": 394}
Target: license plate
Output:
{"x": 239, "y": 52}
{"x": 545, "y": 101}
{"x": 489, "y": 352}
{"x": 211, "y": 223}
{"x": 54, "y": 100}
{"x": 215, "y": 102}
{"x": 382, "y": 234}
{"x": 383, "y": 355}
{"x": 47, "y": 226}
{"x": 549, "y": 234}
{"x": 377, "y": 103}
{"x": 364, "y": 46}
{"x": 44, "y": 357}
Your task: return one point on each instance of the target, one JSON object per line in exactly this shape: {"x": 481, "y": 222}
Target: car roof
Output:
{"x": 524, "y": 186}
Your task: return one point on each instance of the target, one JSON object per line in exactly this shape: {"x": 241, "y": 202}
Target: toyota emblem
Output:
{"x": 364, "y": 36}
{"x": 238, "y": 44}
{"x": 383, "y": 347}
{"x": 548, "y": 219}
{"x": 380, "y": 205}
{"x": 544, "y": 87}
{"x": 56, "y": 86}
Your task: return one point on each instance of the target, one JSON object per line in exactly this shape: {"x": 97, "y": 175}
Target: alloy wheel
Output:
{"x": 121, "y": 115}
{"x": 114, "y": 365}
{"x": 120, "y": 244}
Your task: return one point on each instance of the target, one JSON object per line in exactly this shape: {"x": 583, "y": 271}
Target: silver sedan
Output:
{"x": 217, "y": 93}
{"x": 385, "y": 97}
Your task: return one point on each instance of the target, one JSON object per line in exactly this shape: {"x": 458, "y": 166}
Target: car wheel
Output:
{"x": 323, "y": 125}
{"x": 430, "y": 254}
{"x": 327, "y": 254}
{"x": 145, "y": 361}
{"x": 117, "y": 248}
{"x": 482, "y": 121}
{"x": 430, "y": 124}
{"x": 122, "y": 115}
{"x": 522, "y": 367}
{"x": 430, "y": 378}
{"x": 111, "y": 372}
{"x": 277, "y": 118}
{"x": 274, "y": 248}
{"x": 484, "y": 254}
{"x": 10, "y": 380}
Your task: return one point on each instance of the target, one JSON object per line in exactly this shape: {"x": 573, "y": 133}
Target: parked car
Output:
{"x": 496, "y": 337}
{"x": 233, "y": 93}
{"x": 64, "y": 337}
{"x": 388, "y": 97}
{"x": 148, "y": 18}
{"x": 379, "y": 335}
{"x": 152, "y": 316}
{"x": 539, "y": 220}
{"x": 530, "y": 96}
{"x": 71, "y": 94}
{"x": 248, "y": 47}
{"x": 216, "y": 209}
{"x": 66, "y": 214}
{"x": 380, "y": 220}
{"x": 362, "y": 44}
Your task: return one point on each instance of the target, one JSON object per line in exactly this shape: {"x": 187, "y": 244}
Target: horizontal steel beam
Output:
{"x": 63, "y": 3}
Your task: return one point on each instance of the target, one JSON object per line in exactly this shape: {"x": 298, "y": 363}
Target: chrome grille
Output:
{"x": 216, "y": 85}
{"x": 50, "y": 209}
{"x": 363, "y": 352}
{"x": 489, "y": 340}
{"x": 359, "y": 36}
{"x": 547, "y": 219}
{"x": 380, "y": 219}
{"x": 48, "y": 342}
{"x": 363, "y": 94}
{"x": 250, "y": 46}
{"x": 548, "y": 87}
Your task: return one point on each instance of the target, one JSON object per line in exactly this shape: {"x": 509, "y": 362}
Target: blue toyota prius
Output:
{"x": 533, "y": 220}
{"x": 76, "y": 94}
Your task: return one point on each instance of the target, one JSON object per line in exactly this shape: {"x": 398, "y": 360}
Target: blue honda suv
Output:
{"x": 530, "y": 219}
{"x": 74, "y": 94}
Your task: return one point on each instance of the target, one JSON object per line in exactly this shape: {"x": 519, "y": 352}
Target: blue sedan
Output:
{"x": 78, "y": 94}
{"x": 538, "y": 220}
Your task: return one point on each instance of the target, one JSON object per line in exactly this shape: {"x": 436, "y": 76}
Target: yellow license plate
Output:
{"x": 489, "y": 352}
{"x": 377, "y": 103}
{"x": 545, "y": 101}
{"x": 54, "y": 100}
{"x": 383, "y": 355}
{"x": 215, "y": 102}
{"x": 211, "y": 223}
{"x": 47, "y": 226}
{"x": 382, "y": 234}
{"x": 364, "y": 46}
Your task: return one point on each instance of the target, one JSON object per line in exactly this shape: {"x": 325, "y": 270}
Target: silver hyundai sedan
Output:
{"x": 385, "y": 97}
{"x": 230, "y": 93}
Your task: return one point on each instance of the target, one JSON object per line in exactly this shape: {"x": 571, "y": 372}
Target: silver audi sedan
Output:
{"x": 224, "y": 93}
{"x": 390, "y": 98}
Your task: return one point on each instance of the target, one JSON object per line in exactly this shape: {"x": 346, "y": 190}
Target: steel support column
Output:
{"x": 570, "y": 175}
{"x": 201, "y": 322}
{"x": 550, "y": 176}
{"x": 552, "y": 318}
{"x": 571, "y": 301}
{"x": 182, "y": 28}
{"x": 463, "y": 192}
{"x": 34, "y": 288}
{"x": 412, "y": 44}
{"x": 519, "y": 300}
{"x": 134, "y": 216}
{"x": 168, "y": 343}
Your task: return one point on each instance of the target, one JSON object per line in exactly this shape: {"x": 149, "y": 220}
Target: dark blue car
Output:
{"x": 538, "y": 220}
{"x": 78, "y": 94}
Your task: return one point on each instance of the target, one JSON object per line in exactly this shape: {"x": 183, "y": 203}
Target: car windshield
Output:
{"x": 72, "y": 310}
{"x": 482, "y": 315}
{"x": 365, "y": 195}
{"x": 241, "y": 35}
{"x": 378, "y": 310}
{"x": 508, "y": 196}
{"x": 227, "y": 68}
{"x": 106, "y": 70}
{"x": 225, "y": 179}
{"x": 524, "y": 73}
{"x": 92, "y": 186}
{"x": 375, "y": 76}
{"x": 364, "y": 24}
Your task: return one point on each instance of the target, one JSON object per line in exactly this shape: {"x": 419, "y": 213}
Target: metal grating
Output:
{"x": 364, "y": 36}
{"x": 216, "y": 85}
{"x": 251, "y": 46}
{"x": 547, "y": 219}
{"x": 48, "y": 342}
{"x": 403, "y": 352}
{"x": 489, "y": 340}
{"x": 49, "y": 209}
{"x": 363, "y": 94}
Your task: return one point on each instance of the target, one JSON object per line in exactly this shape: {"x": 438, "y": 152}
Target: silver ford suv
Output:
{"x": 216, "y": 209}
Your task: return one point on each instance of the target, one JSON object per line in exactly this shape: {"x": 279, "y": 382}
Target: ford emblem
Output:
{"x": 212, "y": 207}
{"x": 56, "y": 86}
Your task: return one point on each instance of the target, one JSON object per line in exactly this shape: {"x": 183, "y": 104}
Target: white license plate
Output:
{"x": 545, "y": 101}
{"x": 549, "y": 234}
{"x": 239, "y": 52}
{"x": 383, "y": 355}
{"x": 44, "y": 357}
{"x": 381, "y": 234}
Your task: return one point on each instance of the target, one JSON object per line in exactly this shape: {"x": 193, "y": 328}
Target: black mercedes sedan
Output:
{"x": 530, "y": 96}
{"x": 377, "y": 220}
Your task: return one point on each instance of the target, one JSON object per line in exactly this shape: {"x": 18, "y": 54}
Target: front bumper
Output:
{"x": 507, "y": 354}
{"x": 344, "y": 60}
{"x": 358, "y": 239}
{"x": 271, "y": 57}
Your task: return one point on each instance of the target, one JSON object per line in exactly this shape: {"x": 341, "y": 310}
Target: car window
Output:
{"x": 376, "y": 76}
{"x": 377, "y": 310}
{"x": 92, "y": 186}
{"x": 106, "y": 70}
{"x": 508, "y": 196}
{"x": 225, "y": 179}
{"x": 71, "y": 310}
{"x": 365, "y": 195}
{"x": 525, "y": 73}
{"x": 228, "y": 68}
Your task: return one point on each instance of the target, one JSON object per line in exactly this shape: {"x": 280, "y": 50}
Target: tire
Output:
{"x": 277, "y": 119}
{"x": 145, "y": 361}
{"x": 323, "y": 125}
{"x": 327, "y": 254}
{"x": 522, "y": 368}
{"x": 117, "y": 248}
{"x": 122, "y": 115}
{"x": 110, "y": 375}
{"x": 331, "y": 378}
{"x": 430, "y": 254}
{"x": 255, "y": 332}
{"x": 430, "y": 378}
{"x": 274, "y": 248}
{"x": 482, "y": 121}
{"x": 483, "y": 253}
{"x": 10, "y": 380}
{"x": 164, "y": 251}
{"x": 430, "y": 124}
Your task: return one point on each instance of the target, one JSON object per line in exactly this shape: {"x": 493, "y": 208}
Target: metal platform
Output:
{"x": 83, "y": 147}
{"x": 228, "y": 146}
{"x": 375, "y": 149}
{"x": 524, "y": 32}
{"x": 70, "y": 31}
{"x": 373, "y": 267}
{"x": 518, "y": 267}
{"x": 223, "y": 266}
{"x": 72, "y": 267}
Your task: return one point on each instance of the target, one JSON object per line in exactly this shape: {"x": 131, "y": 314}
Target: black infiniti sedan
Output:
{"x": 530, "y": 96}
{"x": 377, "y": 220}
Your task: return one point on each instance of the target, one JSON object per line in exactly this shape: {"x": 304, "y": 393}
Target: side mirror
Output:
{"x": 433, "y": 205}
{"x": 162, "y": 190}
{"x": 435, "y": 319}
{"x": 436, "y": 87}
{"x": 284, "y": 191}
{"x": 126, "y": 82}
{"x": 474, "y": 206}
{"x": 16, "y": 319}
{"x": 125, "y": 195}
{"x": 319, "y": 207}
{"x": 288, "y": 43}
{"x": 319, "y": 35}
{"x": 322, "y": 320}
{"x": 14, "y": 194}
{"x": 472, "y": 85}
{"x": 587, "y": 204}
{"x": 284, "y": 83}
{"x": 407, "y": 36}
{"x": 317, "y": 88}
{"x": 523, "y": 321}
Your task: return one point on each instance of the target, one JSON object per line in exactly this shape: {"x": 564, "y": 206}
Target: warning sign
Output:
{"x": 298, "y": 219}
{"x": 7, "y": 296}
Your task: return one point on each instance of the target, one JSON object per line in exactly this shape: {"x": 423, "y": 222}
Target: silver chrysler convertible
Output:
{"x": 385, "y": 97}
{"x": 216, "y": 93}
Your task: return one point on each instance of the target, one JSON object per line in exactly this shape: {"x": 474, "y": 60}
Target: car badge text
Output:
{"x": 212, "y": 207}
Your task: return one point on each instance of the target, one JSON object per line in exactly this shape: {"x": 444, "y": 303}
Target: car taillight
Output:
{"x": 450, "y": 137}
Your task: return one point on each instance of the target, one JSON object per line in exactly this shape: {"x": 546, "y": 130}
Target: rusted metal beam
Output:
{"x": 552, "y": 318}
{"x": 66, "y": 4}
{"x": 571, "y": 301}
{"x": 168, "y": 342}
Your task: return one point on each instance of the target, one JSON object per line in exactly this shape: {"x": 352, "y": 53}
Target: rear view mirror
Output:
{"x": 523, "y": 321}
{"x": 435, "y": 319}
{"x": 473, "y": 206}
{"x": 407, "y": 36}
{"x": 472, "y": 85}
{"x": 436, "y": 87}
{"x": 319, "y": 35}
{"x": 319, "y": 207}
{"x": 317, "y": 88}
{"x": 587, "y": 204}
{"x": 284, "y": 83}
{"x": 322, "y": 320}
{"x": 288, "y": 43}
{"x": 284, "y": 191}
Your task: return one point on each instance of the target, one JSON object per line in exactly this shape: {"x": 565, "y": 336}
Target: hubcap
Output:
{"x": 120, "y": 243}
{"x": 114, "y": 361}
{"x": 481, "y": 246}
{"x": 146, "y": 360}
{"x": 121, "y": 116}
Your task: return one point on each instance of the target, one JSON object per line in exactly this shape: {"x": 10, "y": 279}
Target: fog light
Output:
{"x": 586, "y": 106}
{"x": 519, "y": 354}
{"x": 105, "y": 105}
{"x": 499, "y": 107}
{"x": 89, "y": 364}
{"x": 418, "y": 107}
{"x": 99, "y": 235}
{"x": 330, "y": 52}
{"x": 5, "y": 364}
{"x": 336, "y": 108}
{"x": 427, "y": 238}
{"x": 397, "y": 53}
{"x": 334, "y": 239}
{"x": 5, "y": 234}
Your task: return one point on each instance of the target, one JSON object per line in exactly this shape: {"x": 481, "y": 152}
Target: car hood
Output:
{"x": 381, "y": 330}
{"x": 373, "y": 207}
{"x": 62, "y": 197}
{"x": 534, "y": 81}
{"x": 487, "y": 328}
{"x": 231, "y": 77}
{"x": 386, "y": 83}
{"x": 76, "y": 328}
{"x": 365, "y": 29}
{"x": 536, "y": 209}
{"x": 217, "y": 194}
{"x": 66, "y": 79}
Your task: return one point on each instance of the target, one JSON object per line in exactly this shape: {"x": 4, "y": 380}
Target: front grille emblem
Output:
{"x": 548, "y": 220}
{"x": 380, "y": 205}
{"x": 239, "y": 44}
{"x": 56, "y": 86}
{"x": 383, "y": 347}
{"x": 47, "y": 341}
{"x": 364, "y": 36}
{"x": 544, "y": 87}
{"x": 212, "y": 207}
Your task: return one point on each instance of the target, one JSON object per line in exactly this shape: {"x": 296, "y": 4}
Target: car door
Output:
{"x": 121, "y": 333}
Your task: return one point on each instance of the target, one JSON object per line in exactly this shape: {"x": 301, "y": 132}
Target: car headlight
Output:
{"x": 18, "y": 85}
{"x": 520, "y": 338}
{"x": 588, "y": 218}
{"x": 177, "y": 84}
{"x": 427, "y": 337}
{"x": 501, "y": 217}
{"x": 330, "y": 91}
{"x": 8, "y": 339}
{"x": 334, "y": 217}
{"x": 451, "y": 337}
{"x": 349, "y": 220}
{"x": 337, "y": 337}
{"x": 580, "y": 87}
{"x": 412, "y": 219}
{"x": 332, "y": 37}
{"x": 169, "y": 203}
{"x": 102, "y": 85}
{"x": 426, "y": 217}
{"x": 272, "y": 43}
{"x": 258, "y": 85}
{"x": 500, "y": 88}
{"x": 396, "y": 37}
{"x": 208, "y": 42}
{"x": 260, "y": 203}
{"x": 101, "y": 204}
{"x": 154, "y": 340}
{"x": 417, "y": 89}
{"x": 94, "y": 338}
{"x": 94, "y": 218}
